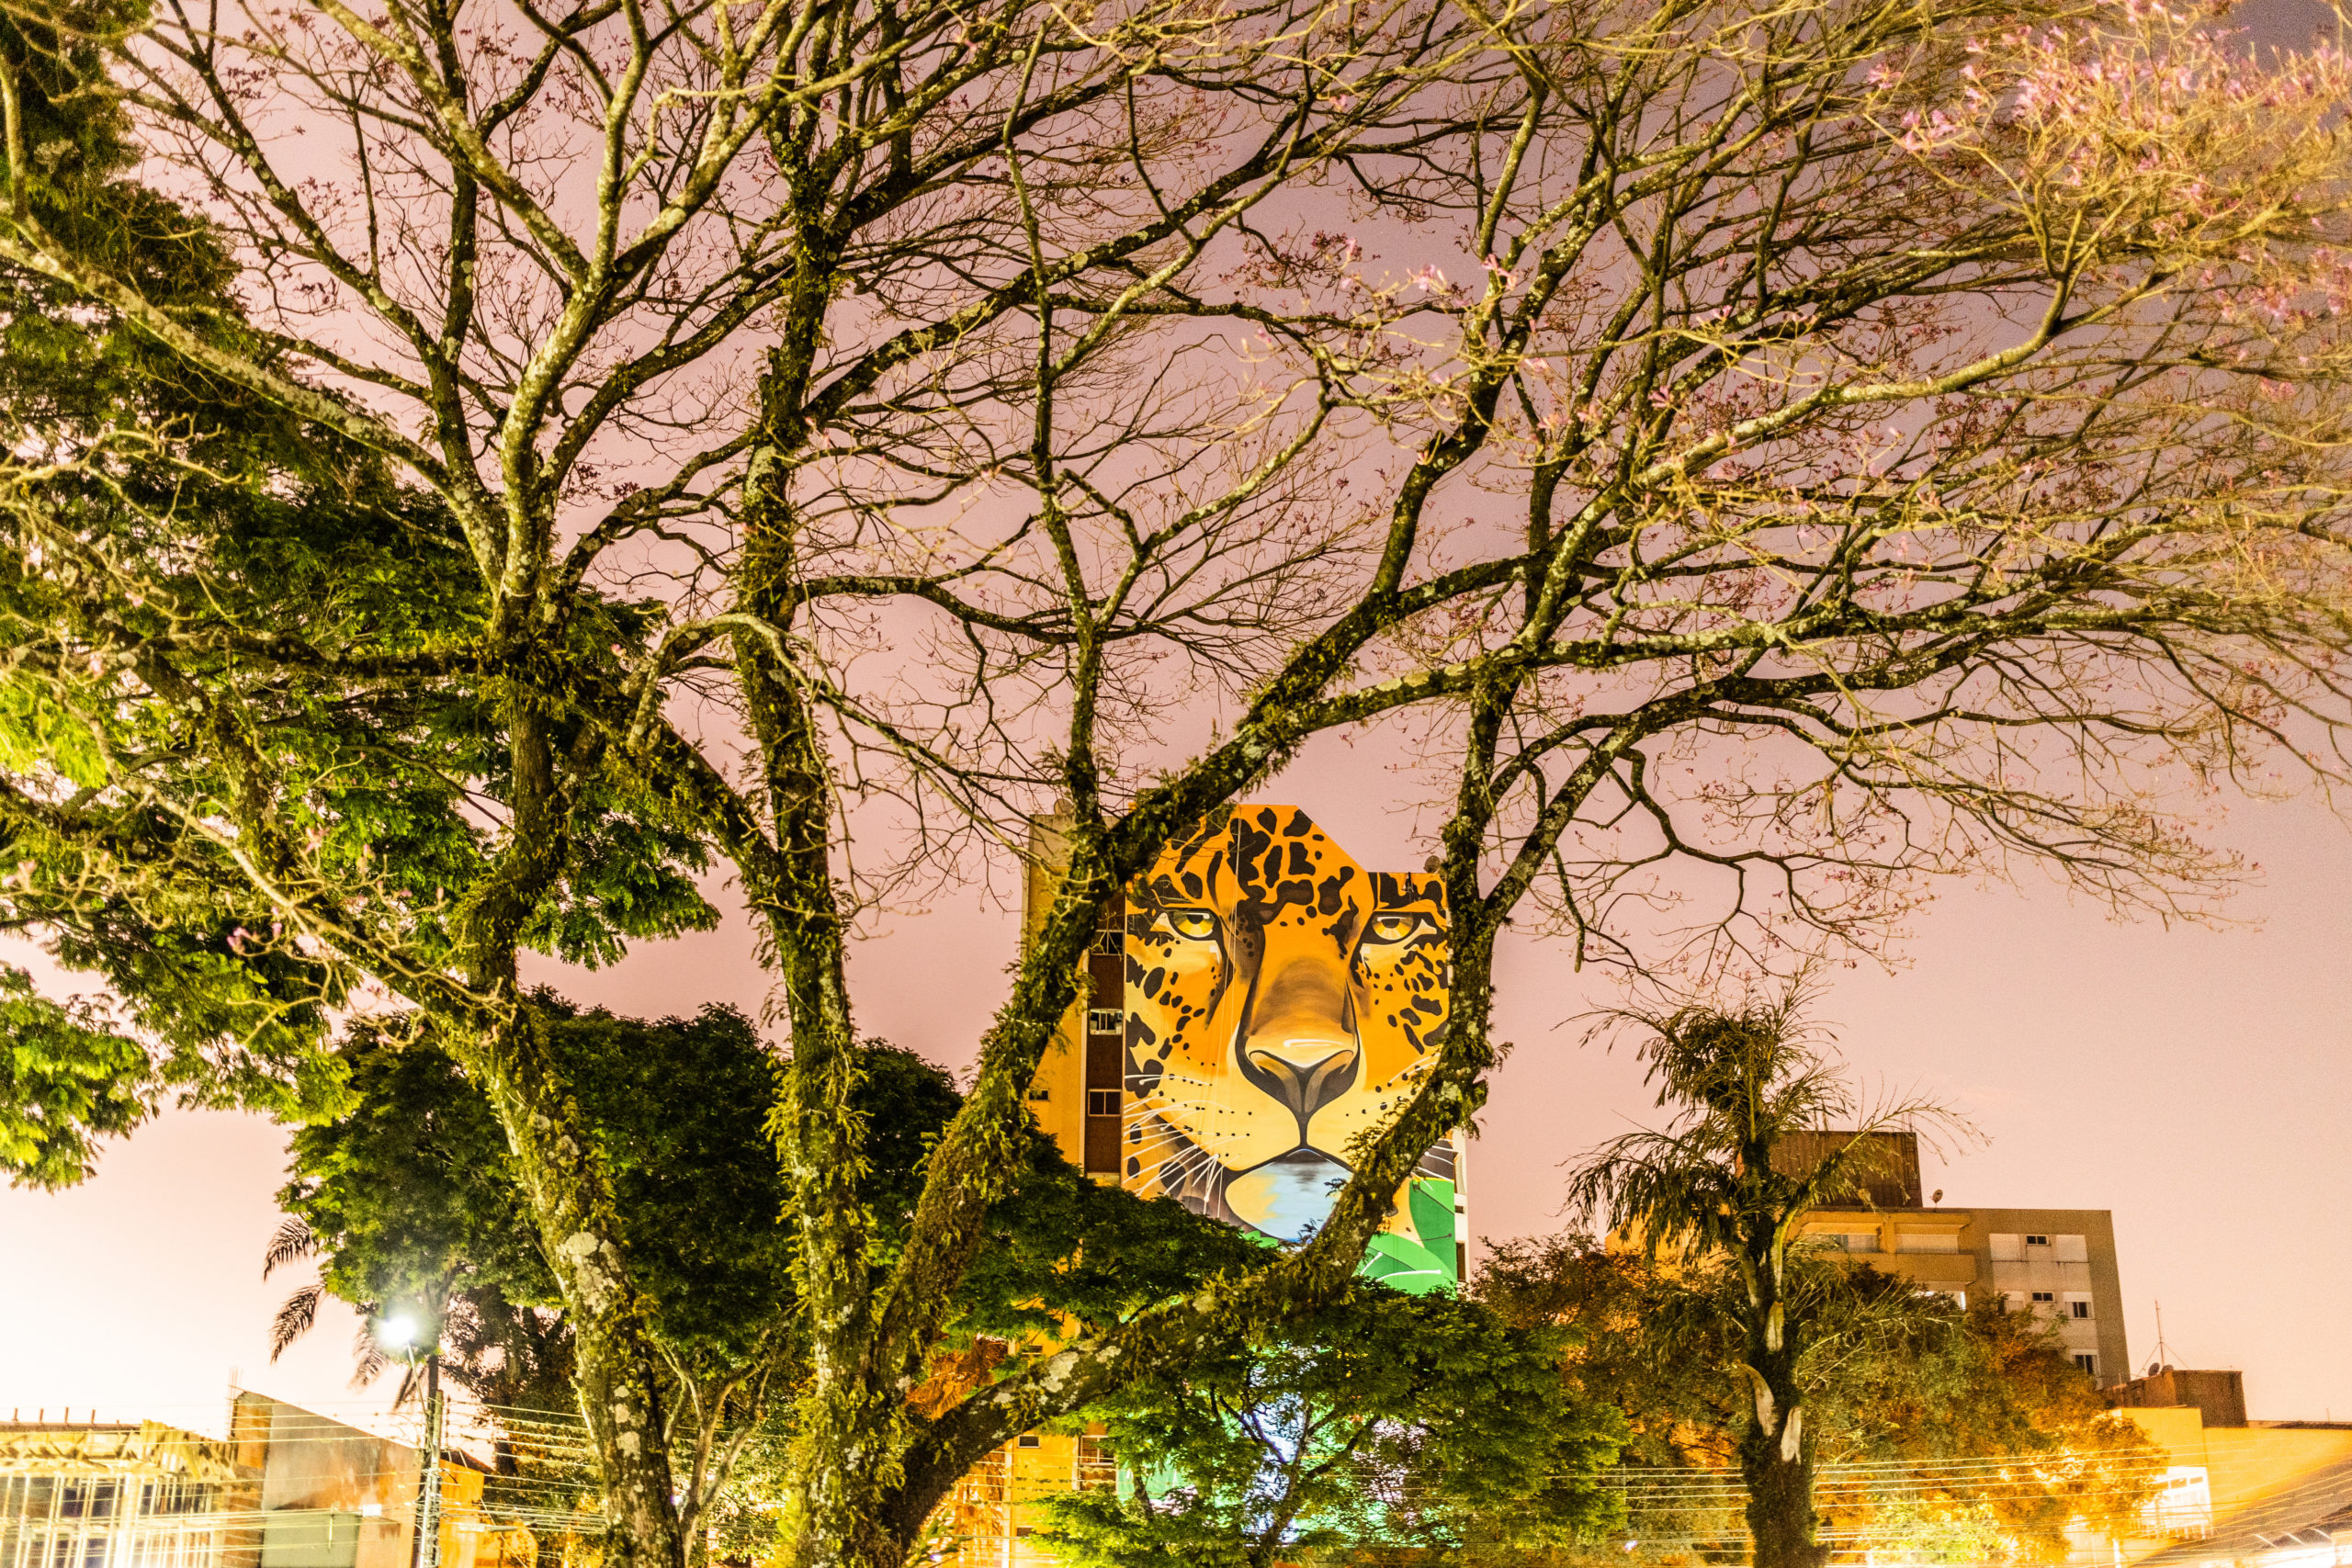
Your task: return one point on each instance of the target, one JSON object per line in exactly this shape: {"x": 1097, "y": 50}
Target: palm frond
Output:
{"x": 295, "y": 1318}
{"x": 293, "y": 1239}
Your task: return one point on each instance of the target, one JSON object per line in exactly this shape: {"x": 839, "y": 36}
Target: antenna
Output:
{"x": 2164, "y": 1351}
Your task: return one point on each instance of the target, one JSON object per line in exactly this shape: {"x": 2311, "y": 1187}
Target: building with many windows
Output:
{"x": 2059, "y": 1264}
{"x": 287, "y": 1488}
{"x": 123, "y": 1495}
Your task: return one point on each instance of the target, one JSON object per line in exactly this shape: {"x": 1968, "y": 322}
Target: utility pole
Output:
{"x": 426, "y": 1550}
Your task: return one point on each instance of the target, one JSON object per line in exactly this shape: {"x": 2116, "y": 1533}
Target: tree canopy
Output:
{"x": 1387, "y": 1419}
{"x": 1897, "y": 1380}
{"x": 1746, "y": 458}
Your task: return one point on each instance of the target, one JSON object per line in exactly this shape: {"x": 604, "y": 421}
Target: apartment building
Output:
{"x": 2059, "y": 1264}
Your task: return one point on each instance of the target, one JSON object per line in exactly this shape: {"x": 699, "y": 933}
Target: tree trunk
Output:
{"x": 851, "y": 1436}
{"x": 1780, "y": 1505}
{"x": 1775, "y": 1454}
{"x": 617, "y": 1371}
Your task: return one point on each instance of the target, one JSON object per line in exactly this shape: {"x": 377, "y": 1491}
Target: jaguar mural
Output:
{"x": 1280, "y": 1001}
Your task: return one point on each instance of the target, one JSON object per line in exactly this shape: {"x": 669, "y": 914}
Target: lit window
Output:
{"x": 1102, "y": 1103}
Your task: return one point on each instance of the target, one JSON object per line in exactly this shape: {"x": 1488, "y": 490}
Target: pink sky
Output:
{"x": 2198, "y": 1083}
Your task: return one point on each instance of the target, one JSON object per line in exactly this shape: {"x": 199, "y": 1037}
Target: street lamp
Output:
{"x": 399, "y": 1332}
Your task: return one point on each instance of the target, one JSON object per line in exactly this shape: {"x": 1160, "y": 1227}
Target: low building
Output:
{"x": 103, "y": 1495}
{"x": 2236, "y": 1491}
{"x": 2057, "y": 1263}
{"x": 287, "y": 1488}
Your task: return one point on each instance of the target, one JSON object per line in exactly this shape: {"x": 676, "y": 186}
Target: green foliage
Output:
{"x": 1065, "y": 1247}
{"x": 1388, "y": 1419}
{"x": 1637, "y": 1339}
{"x": 412, "y": 1193}
{"x": 67, "y": 1078}
{"x": 181, "y": 549}
{"x": 1891, "y": 1374}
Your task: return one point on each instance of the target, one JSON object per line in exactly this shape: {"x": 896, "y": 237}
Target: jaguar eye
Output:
{"x": 1394, "y": 928}
{"x": 1192, "y": 925}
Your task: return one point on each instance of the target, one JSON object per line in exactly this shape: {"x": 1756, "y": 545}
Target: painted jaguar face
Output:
{"x": 1280, "y": 1001}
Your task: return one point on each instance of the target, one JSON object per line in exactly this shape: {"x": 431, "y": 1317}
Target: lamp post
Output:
{"x": 424, "y": 1549}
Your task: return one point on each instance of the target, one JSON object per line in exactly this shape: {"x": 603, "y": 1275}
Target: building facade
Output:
{"x": 2236, "y": 1493}
{"x": 287, "y": 1488}
{"x": 1256, "y": 1001}
{"x": 2058, "y": 1264}
{"x": 123, "y": 1495}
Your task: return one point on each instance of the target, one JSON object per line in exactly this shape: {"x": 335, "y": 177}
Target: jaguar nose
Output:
{"x": 1304, "y": 1075}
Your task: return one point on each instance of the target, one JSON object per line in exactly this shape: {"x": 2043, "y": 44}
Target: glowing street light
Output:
{"x": 405, "y": 1336}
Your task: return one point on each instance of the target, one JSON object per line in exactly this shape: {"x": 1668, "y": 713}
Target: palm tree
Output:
{"x": 1730, "y": 1181}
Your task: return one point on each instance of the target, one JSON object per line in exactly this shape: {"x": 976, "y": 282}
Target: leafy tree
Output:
{"x": 1891, "y": 1376}
{"x": 1385, "y": 1420}
{"x": 1718, "y": 1190}
{"x": 791, "y": 425}
{"x": 409, "y": 1201}
{"x": 67, "y": 1078}
{"x": 1632, "y": 1343}
{"x": 1998, "y": 1385}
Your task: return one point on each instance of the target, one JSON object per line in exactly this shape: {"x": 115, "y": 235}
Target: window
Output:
{"x": 1105, "y": 1020}
{"x": 2006, "y": 1248}
{"x": 1027, "y": 1440}
{"x": 2037, "y": 1241}
{"x": 1113, "y": 942}
{"x": 1102, "y": 1103}
{"x": 2087, "y": 1362}
{"x": 1097, "y": 1469}
{"x": 2042, "y": 1298}
{"x": 2013, "y": 1301}
{"x": 1927, "y": 1241}
{"x": 2071, "y": 1249}
{"x": 2078, "y": 1306}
